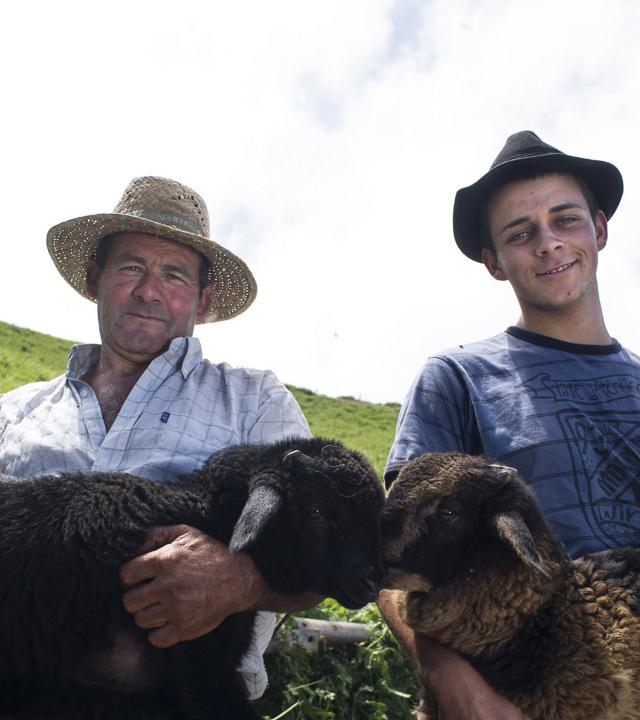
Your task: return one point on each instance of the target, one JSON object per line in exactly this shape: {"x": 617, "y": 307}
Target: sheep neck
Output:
{"x": 481, "y": 613}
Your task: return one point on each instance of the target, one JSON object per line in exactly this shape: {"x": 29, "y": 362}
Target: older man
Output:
{"x": 146, "y": 402}
{"x": 554, "y": 396}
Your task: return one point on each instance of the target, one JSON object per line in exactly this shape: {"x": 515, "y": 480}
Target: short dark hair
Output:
{"x": 529, "y": 173}
{"x": 103, "y": 249}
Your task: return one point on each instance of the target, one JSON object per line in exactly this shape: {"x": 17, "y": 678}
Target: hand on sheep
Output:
{"x": 460, "y": 691}
{"x": 184, "y": 584}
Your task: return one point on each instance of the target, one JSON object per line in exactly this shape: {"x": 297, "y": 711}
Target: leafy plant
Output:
{"x": 372, "y": 680}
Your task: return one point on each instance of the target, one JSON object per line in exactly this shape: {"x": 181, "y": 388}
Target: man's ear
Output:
{"x": 490, "y": 261}
{"x": 204, "y": 301}
{"x": 602, "y": 230}
{"x": 91, "y": 282}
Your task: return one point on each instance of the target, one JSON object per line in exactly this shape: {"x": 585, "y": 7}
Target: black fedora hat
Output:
{"x": 523, "y": 152}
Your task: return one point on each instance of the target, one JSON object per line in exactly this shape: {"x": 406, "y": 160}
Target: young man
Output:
{"x": 145, "y": 401}
{"x": 554, "y": 396}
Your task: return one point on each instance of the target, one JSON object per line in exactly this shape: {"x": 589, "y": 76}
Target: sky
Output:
{"x": 328, "y": 140}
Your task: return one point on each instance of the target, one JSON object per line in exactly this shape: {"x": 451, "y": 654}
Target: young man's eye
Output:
{"x": 516, "y": 237}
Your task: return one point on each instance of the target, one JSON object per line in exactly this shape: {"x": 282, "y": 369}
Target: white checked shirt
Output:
{"x": 182, "y": 409}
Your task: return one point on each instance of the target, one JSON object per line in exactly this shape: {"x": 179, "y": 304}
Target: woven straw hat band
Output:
{"x": 165, "y": 201}
{"x": 163, "y": 208}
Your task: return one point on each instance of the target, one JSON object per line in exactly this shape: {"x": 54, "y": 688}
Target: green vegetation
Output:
{"x": 361, "y": 425}
{"x": 28, "y": 356}
{"x": 367, "y": 681}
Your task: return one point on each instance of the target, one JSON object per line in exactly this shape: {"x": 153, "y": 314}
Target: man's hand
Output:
{"x": 460, "y": 691}
{"x": 185, "y": 583}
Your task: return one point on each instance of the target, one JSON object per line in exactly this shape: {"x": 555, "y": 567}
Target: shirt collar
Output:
{"x": 184, "y": 353}
{"x": 81, "y": 358}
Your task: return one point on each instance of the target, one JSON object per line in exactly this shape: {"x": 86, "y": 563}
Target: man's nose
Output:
{"x": 148, "y": 289}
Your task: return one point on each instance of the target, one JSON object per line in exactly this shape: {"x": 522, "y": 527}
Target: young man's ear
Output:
{"x": 491, "y": 263}
{"x": 602, "y": 230}
{"x": 91, "y": 282}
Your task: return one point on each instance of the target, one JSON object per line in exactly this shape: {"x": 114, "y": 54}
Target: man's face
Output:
{"x": 546, "y": 242}
{"x": 147, "y": 294}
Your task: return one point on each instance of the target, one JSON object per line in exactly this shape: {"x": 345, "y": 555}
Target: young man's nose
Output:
{"x": 548, "y": 240}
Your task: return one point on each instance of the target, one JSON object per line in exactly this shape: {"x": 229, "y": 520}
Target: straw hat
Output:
{"x": 525, "y": 151}
{"x": 164, "y": 208}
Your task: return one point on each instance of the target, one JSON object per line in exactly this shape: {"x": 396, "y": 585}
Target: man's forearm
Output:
{"x": 402, "y": 632}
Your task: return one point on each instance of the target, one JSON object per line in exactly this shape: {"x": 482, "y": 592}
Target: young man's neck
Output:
{"x": 581, "y": 323}
{"x": 567, "y": 326}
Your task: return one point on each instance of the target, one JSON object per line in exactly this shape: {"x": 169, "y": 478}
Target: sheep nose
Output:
{"x": 372, "y": 581}
{"x": 371, "y": 586}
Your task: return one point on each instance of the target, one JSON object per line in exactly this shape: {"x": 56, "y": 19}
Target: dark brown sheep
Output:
{"x": 477, "y": 569}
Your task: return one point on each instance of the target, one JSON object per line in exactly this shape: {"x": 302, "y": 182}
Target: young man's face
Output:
{"x": 546, "y": 242}
{"x": 147, "y": 293}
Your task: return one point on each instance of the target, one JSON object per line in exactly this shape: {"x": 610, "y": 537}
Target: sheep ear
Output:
{"x": 262, "y": 505}
{"x": 513, "y": 530}
{"x": 505, "y": 471}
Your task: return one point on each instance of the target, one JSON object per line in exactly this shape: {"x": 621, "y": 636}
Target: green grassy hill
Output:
{"x": 27, "y": 356}
{"x": 369, "y": 681}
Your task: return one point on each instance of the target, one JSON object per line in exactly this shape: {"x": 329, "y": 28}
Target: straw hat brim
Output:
{"x": 603, "y": 178}
{"x": 72, "y": 244}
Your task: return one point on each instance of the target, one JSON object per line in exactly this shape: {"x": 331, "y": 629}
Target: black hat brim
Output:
{"x": 603, "y": 178}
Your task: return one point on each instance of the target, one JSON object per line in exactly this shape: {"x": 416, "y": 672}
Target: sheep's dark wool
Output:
{"x": 307, "y": 511}
{"x": 476, "y": 568}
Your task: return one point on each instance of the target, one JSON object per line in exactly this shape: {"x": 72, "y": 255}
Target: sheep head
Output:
{"x": 313, "y": 524}
{"x": 450, "y": 515}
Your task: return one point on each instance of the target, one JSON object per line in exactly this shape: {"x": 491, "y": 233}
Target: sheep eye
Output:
{"x": 448, "y": 512}
{"x": 315, "y": 512}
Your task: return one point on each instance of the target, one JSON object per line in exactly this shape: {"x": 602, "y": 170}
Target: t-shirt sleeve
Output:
{"x": 435, "y": 417}
{"x": 279, "y": 415}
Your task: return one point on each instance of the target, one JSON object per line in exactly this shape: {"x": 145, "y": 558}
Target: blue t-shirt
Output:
{"x": 566, "y": 416}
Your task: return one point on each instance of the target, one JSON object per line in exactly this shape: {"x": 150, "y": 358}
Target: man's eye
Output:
{"x": 172, "y": 277}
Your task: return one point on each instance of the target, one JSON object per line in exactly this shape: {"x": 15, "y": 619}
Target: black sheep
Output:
{"x": 307, "y": 511}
